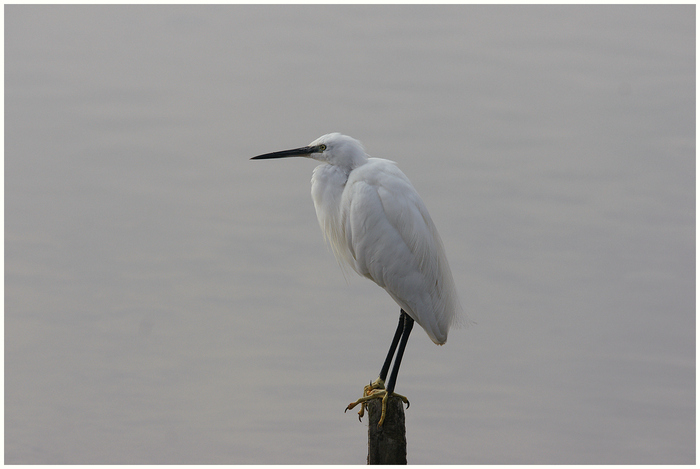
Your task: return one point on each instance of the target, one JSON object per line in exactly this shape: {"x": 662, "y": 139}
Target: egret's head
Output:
{"x": 335, "y": 149}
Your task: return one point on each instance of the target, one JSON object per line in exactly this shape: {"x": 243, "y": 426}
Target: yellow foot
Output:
{"x": 375, "y": 390}
{"x": 367, "y": 391}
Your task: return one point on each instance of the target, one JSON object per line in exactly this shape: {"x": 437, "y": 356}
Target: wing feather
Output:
{"x": 394, "y": 242}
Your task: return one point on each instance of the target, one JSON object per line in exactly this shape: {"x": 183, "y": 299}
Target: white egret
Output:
{"x": 376, "y": 223}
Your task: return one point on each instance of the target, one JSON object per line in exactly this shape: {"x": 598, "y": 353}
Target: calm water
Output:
{"x": 169, "y": 301}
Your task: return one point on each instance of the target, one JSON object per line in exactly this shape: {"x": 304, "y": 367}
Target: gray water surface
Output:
{"x": 167, "y": 300}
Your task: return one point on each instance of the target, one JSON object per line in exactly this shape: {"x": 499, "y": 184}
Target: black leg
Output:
{"x": 376, "y": 390}
{"x": 392, "y": 349}
{"x": 407, "y": 326}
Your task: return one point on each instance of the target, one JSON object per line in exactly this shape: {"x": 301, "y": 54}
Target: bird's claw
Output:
{"x": 361, "y": 413}
{"x": 375, "y": 390}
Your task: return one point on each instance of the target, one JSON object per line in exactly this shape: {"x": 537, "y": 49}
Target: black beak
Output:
{"x": 303, "y": 151}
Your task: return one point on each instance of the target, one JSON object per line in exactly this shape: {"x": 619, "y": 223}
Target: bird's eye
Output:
{"x": 322, "y": 147}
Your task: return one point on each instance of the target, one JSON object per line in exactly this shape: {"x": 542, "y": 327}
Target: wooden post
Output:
{"x": 387, "y": 445}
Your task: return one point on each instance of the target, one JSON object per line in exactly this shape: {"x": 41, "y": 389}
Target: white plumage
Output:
{"x": 377, "y": 224}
